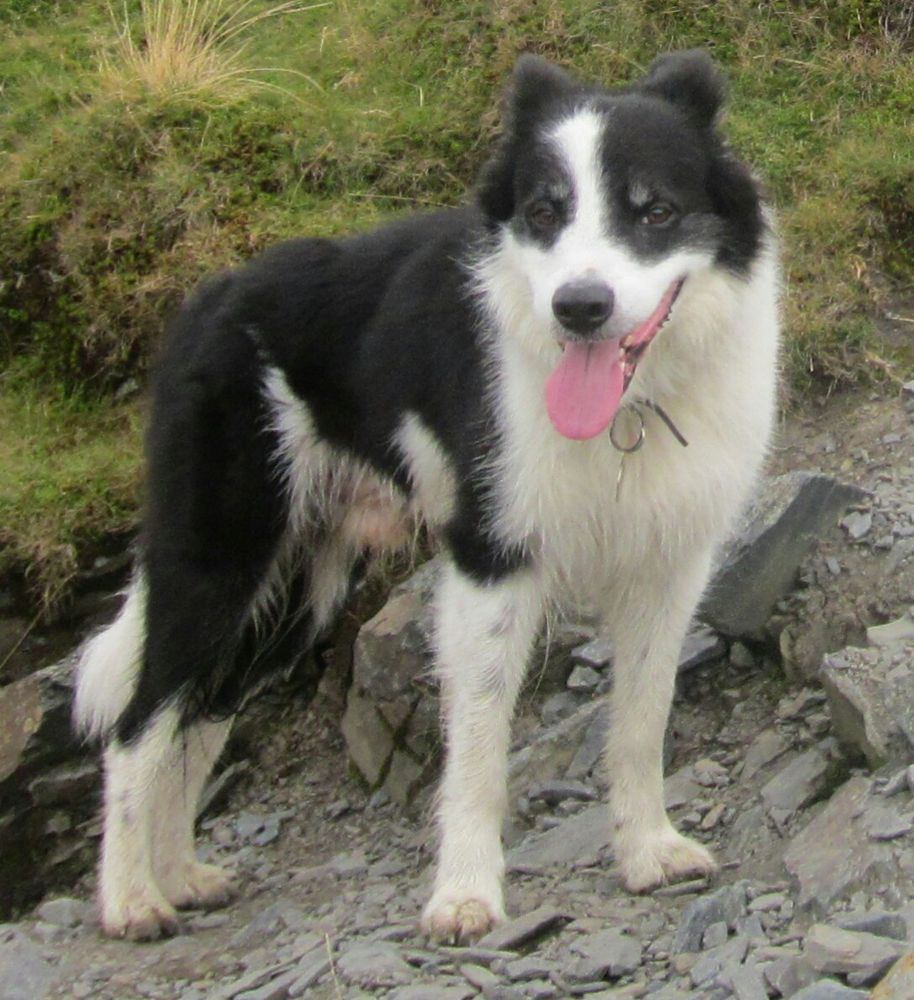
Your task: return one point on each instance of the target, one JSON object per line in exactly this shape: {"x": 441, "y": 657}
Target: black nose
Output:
{"x": 581, "y": 306}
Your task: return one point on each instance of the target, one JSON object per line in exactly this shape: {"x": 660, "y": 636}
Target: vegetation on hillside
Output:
{"x": 140, "y": 149}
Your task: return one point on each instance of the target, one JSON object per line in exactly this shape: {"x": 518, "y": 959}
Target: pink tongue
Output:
{"x": 584, "y": 391}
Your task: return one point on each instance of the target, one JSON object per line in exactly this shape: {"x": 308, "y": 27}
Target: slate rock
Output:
{"x": 531, "y": 967}
{"x": 559, "y": 706}
{"x": 899, "y": 983}
{"x": 700, "y": 646}
{"x": 582, "y": 679}
{"x": 680, "y": 788}
{"x": 479, "y": 976}
{"x": 762, "y": 751}
{"x": 796, "y": 785}
{"x": 760, "y": 565}
{"x": 597, "y": 653}
{"x": 871, "y": 700}
{"x": 65, "y": 912}
{"x": 25, "y": 974}
{"x": 583, "y": 835}
{"x": 405, "y": 776}
{"x": 713, "y": 962}
{"x": 551, "y": 752}
{"x": 745, "y": 981}
{"x": 884, "y": 822}
{"x": 790, "y": 974}
{"x": 829, "y": 989}
{"x": 608, "y": 953}
{"x": 589, "y": 753}
{"x": 390, "y": 679}
{"x": 48, "y": 785}
{"x": 310, "y": 969}
{"x": 832, "y": 856}
{"x": 558, "y": 790}
{"x": 373, "y": 964}
{"x": 369, "y": 739}
{"x": 529, "y": 927}
{"x": 427, "y": 991}
{"x": 851, "y": 953}
{"x": 725, "y": 905}
{"x": 880, "y": 922}
{"x": 900, "y": 631}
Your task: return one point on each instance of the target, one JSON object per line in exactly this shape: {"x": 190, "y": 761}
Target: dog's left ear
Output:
{"x": 534, "y": 85}
{"x": 690, "y": 81}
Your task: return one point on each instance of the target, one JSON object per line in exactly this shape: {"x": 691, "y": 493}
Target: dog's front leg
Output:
{"x": 484, "y": 635}
{"x": 648, "y": 632}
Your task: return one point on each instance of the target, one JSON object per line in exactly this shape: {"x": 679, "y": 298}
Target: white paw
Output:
{"x": 662, "y": 857}
{"x": 144, "y": 917}
{"x": 456, "y": 916}
{"x": 201, "y": 886}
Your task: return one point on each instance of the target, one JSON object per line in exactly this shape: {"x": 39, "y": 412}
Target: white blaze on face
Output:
{"x": 580, "y": 246}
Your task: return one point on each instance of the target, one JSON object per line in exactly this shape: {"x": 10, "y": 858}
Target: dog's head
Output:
{"x": 605, "y": 204}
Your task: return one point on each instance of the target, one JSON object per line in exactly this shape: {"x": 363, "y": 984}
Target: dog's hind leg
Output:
{"x": 131, "y": 902}
{"x": 485, "y": 632}
{"x": 648, "y": 632}
{"x": 183, "y": 879}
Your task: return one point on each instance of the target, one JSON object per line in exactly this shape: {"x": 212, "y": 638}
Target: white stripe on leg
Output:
{"x": 648, "y": 634}
{"x": 484, "y": 637}
{"x": 183, "y": 879}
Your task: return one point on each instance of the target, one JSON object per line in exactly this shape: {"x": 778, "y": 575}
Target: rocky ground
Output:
{"x": 792, "y": 765}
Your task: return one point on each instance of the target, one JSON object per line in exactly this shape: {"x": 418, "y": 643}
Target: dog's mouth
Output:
{"x": 585, "y": 390}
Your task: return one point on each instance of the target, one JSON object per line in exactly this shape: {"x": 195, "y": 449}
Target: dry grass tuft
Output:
{"x": 192, "y": 49}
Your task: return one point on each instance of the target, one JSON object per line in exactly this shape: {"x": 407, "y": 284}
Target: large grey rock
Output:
{"x": 833, "y": 856}
{"x": 778, "y": 531}
{"x": 48, "y": 782}
{"x": 390, "y": 722}
{"x": 871, "y": 698}
{"x": 866, "y": 957}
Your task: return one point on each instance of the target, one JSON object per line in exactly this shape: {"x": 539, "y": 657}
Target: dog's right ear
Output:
{"x": 535, "y": 83}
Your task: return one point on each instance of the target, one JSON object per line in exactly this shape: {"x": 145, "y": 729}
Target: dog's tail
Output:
{"x": 109, "y": 666}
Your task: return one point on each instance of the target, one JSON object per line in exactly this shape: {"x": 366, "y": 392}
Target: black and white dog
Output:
{"x": 488, "y": 370}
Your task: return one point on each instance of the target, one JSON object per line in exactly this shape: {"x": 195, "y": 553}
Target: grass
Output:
{"x": 143, "y": 146}
{"x": 195, "y": 50}
{"x": 69, "y": 478}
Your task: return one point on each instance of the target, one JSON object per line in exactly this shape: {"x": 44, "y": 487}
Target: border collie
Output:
{"x": 570, "y": 381}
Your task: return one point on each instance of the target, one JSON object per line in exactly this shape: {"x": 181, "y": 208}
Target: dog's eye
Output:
{"x": 542, "y": 215}
{"x": 659, "y": 214}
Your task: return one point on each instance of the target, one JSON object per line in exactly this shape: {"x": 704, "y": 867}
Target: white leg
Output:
{"x": 648, "y": 632}
{"x": 484, "y": 637}
{"x": 132, "y": 904}
{"x": 183, "y": 879}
